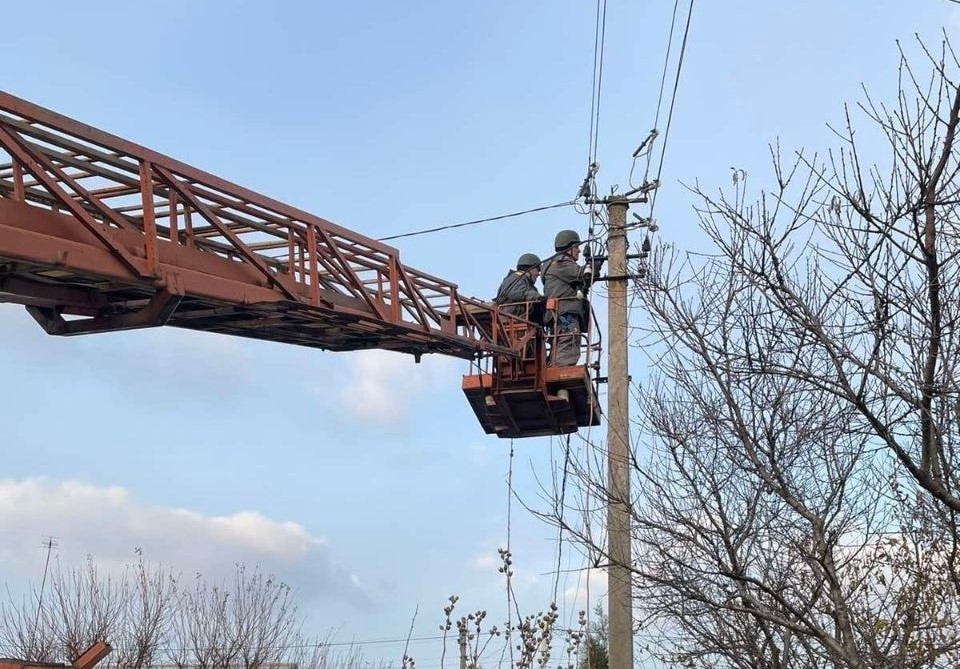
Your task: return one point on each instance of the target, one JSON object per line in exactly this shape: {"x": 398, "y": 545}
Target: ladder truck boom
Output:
{"x": 99, "y": 234}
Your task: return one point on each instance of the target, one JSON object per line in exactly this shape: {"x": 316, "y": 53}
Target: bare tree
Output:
{"x": 148, "y": 600}
{"x": 85, "y": 606}
{"x": 24, "y": 633}
{"x": 250, "y": 624}
{"x": 798, "y": 490}
{"x": 859, "y": 263}
{"x": 152, "y": 618}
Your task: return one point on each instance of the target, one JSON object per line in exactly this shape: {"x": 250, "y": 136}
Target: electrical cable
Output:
{"x": 663, "y": 81}
{"x": 588, "y": 189}
{"x": 673, "y": 100}
{"x": 477, "y": 221}
{"x": 599, "y": 82}
{"x": 593, "y": 213}
{"x": 666, "y": 61}
{"x": 593, "y": 89}
{"x": 507, "y": 567}
{"x": 562, "y": 505}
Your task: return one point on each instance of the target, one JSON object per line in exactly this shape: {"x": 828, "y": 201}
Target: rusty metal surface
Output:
{"x": 520, "y": 396}
{"x": 521, "y": 409}
{"x": 94, "y": 226}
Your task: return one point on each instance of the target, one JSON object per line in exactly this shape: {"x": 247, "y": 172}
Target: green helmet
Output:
{"x": 565, "y": 239}
{"x": 528, "y": 260}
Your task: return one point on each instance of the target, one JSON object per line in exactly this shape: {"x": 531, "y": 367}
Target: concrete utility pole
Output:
{"x": 619, "y": 583}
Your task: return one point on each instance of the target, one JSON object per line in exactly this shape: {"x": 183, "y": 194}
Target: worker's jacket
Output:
{"x": 517, "y": 287}
{"x": 562, "y": 279}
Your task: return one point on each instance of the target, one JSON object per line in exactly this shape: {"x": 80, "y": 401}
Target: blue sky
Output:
{"x": 363, "y": 479}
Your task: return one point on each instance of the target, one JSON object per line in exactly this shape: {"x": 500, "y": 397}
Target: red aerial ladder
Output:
{"x": 98, "y": 234}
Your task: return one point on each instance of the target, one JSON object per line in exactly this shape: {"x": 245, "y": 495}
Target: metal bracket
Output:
{"x": 620, "y": 277}
{"x": 24, "y": 291}
{"x": 616, "y": 199}
{"x": 156, "y": 313}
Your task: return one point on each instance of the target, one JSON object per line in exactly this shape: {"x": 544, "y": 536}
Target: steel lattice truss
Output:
{"x": 115, "y": 236}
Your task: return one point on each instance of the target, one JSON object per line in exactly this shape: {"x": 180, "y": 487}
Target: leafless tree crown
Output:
{"x": 797, "y": 483}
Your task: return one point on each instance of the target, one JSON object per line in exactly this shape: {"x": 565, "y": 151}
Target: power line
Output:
{"x": 478, "y": 221}
{"x": 507, "y": 566}
{"x": 673, "y": 100}
{"x": 562, "y": 504}
{"x": 593, "y": 86}
{"x": 663, "y": 82}
{"x": 596, "y": 90}
{"x": 306, "y": 646}
{"x": 373, "y": 642}
{"x": 599, "y": 38}
{"x": 599, "y": 78}
{"x": 666, "y": 60}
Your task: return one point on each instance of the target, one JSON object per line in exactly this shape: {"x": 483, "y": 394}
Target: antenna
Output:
{"x": 49, "y": 542}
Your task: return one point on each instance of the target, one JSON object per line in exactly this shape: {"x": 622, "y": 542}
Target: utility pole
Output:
{"x": 619, "y": 583}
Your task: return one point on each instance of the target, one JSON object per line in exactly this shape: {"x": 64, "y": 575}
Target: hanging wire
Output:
{"x": 599, "y": 39}
{"x": 673, "y": 100}
{"x": 594, "y": 216}
{"x": 663, "y": 81}
{"x": 599, "y": 82}
{"x": 588, "y": 189}
{"x": 562, "y": 506}
{"x": 587, "y": 531}
{"x": 663, "y": 146}
{"x": 509, "y": 573}
{"x": 593, "y": 86}
{"x": 478, "y": 221}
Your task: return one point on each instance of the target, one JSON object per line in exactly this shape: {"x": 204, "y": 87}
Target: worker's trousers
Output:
{"x": 565, "y": 342}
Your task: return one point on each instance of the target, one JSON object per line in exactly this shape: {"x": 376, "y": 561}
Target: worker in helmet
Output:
{"x": 566, "y": 282}
{"x": 518, "y": 294}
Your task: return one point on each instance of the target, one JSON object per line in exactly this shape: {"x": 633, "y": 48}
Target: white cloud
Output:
{"x": 108, "y": 524}
{"x": 381, "y": 384}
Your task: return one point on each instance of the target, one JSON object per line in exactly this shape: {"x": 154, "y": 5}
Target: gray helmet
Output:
{"x": 528, "y": 260}
{"x": 565, "y": 239}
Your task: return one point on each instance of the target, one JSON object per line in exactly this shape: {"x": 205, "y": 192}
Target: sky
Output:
{"x": 361, "y": 478}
